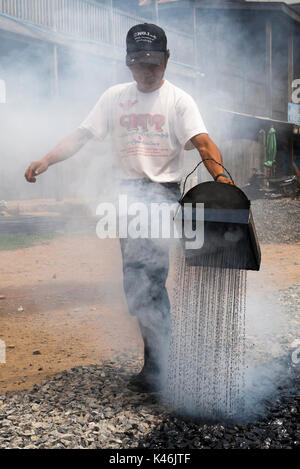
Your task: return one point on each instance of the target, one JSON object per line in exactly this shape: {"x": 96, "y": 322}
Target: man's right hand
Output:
{"x": 36, "y": 168}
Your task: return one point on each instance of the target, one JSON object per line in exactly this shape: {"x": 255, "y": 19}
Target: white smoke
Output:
{"x": 33, "y": 120}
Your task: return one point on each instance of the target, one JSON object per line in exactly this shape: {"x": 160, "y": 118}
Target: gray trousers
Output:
{"x": 145, "y": 271}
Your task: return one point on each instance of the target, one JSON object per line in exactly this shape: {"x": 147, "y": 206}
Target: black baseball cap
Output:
{"x": 146, "y": 43}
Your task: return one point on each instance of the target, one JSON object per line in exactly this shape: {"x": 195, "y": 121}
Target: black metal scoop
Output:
{"x": 230, "y": 238}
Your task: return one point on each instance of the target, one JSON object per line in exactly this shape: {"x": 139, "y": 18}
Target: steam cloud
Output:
{"x": 33, "y": 120}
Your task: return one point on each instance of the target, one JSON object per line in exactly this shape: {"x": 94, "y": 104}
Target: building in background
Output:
{"x": 237, "y": 58}
{"x": 246, "y": 56}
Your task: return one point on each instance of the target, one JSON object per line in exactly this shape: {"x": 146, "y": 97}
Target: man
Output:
{"x": 150, "y": 122}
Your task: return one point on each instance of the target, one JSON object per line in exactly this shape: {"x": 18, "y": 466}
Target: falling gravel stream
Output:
{"x": 207, "y": 350}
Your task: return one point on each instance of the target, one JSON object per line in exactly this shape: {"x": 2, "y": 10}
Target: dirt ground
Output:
{"x": 74, "y": 311}
{"x": 64, "y": 305}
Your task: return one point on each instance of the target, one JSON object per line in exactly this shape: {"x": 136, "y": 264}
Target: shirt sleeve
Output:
{"x": 97, "y": 121}
{"x": 188, "y": 120}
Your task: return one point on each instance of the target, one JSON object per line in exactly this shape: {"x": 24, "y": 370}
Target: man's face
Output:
{"x": 148, "y": 77}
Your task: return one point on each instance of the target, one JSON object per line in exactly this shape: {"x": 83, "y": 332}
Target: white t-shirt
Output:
{"x": 148, "y": 130}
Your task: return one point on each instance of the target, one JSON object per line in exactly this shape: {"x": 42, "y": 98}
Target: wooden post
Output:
{"x": 290, "y": 64}
{"x": 195, "y": 34}
{"x": 113, "y": 43}
{"x": 111, "y": 20}
{"x": 195, "y": 52}
{"x": 197, "y": 78}
{"x": 156, "y": 12}
{"x": 269, "y": 67}
{"x": 57, "y": 169}
{"x": 195, "y": 43}
{"x": 55, "y": 74}
{"x": 290, "y": 89}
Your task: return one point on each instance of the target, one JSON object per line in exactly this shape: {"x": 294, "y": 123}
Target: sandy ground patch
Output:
{"x": 73, "y": 306}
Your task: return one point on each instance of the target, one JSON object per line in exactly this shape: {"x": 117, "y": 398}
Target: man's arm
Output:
{"x": 208, "y": 149}
{"x": 65, "y": 149}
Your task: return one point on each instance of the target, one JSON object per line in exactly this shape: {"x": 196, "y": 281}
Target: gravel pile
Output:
{"x": 86, "y": 407}
{"x": 279, "y": 429}
{"x": 90, "y": 407}
{"x": 277, "y": 220}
